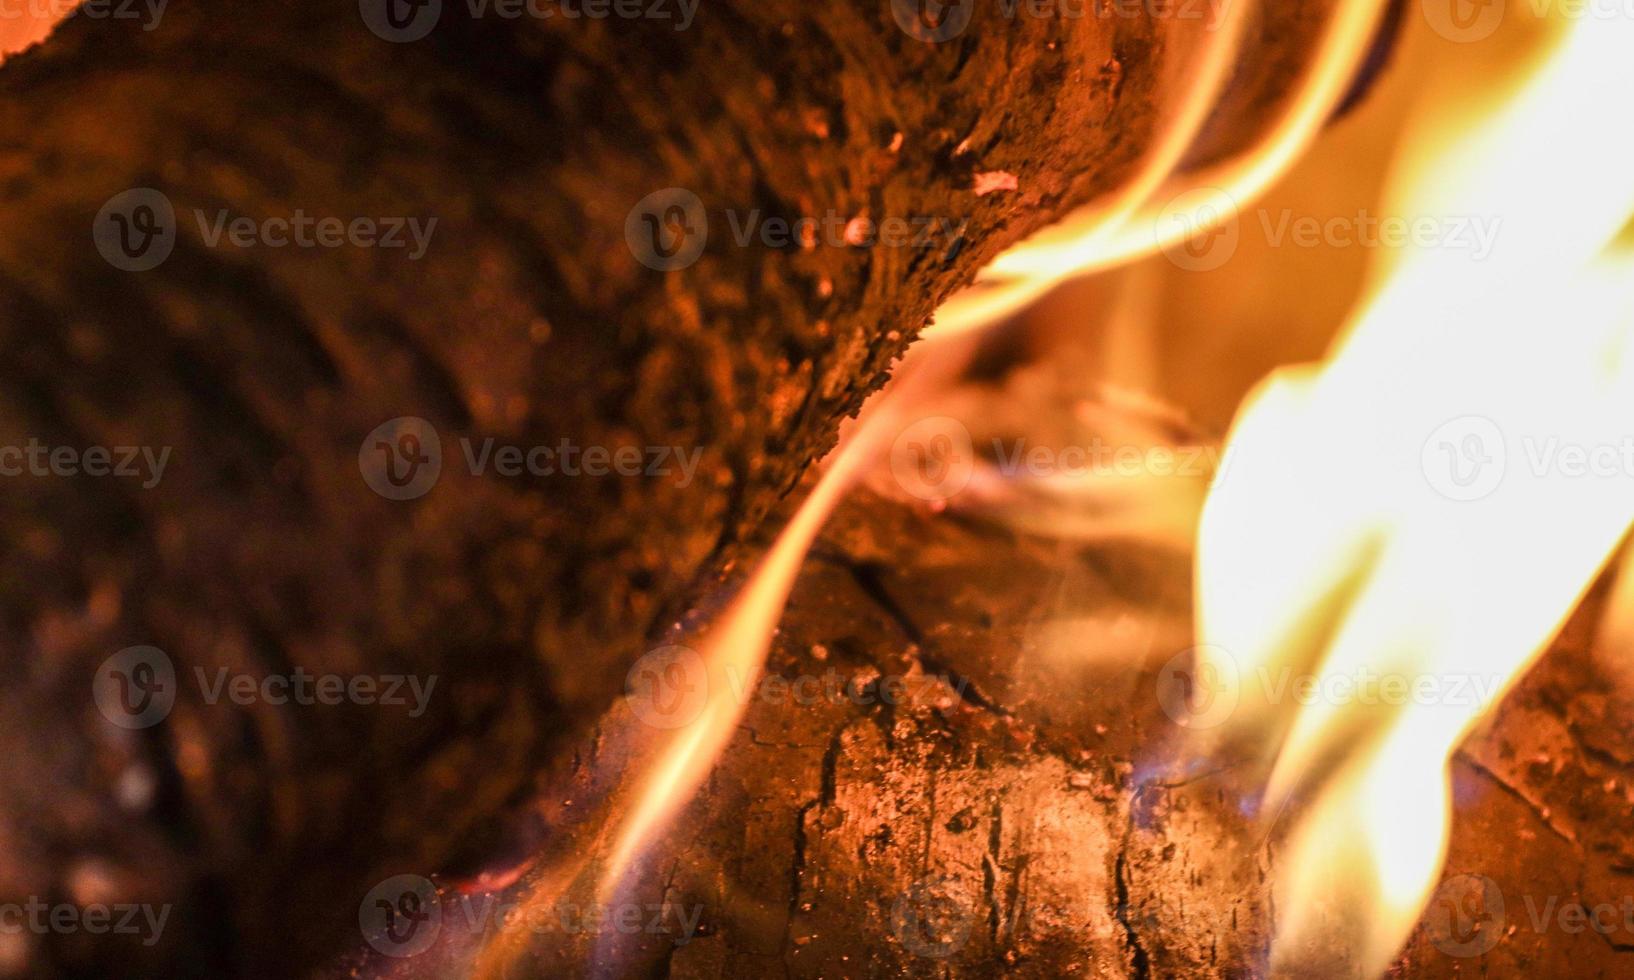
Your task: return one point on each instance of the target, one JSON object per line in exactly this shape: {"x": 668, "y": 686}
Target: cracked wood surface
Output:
{"x": 1041, "y": 828}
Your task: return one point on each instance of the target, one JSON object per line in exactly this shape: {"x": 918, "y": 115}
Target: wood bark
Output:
{"x": 961, "y": 764}
{"x": 1027, "y": 809}
{"x": 262, "y": 370}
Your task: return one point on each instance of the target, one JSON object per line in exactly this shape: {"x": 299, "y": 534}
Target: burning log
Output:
{"x": 262, "y": 367}
{"x": 983, "y": 792}
{"x": 970, "y": 757}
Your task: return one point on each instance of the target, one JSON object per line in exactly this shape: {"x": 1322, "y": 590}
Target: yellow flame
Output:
{"x": 1131, "y": 222}
{"x": 1123, "y": 225}
{"x": 1404, "y": 510}
{"x": 735, "y": 647}
{"x": 1108, "y": 231}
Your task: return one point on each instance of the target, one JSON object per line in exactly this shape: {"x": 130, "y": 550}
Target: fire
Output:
{"x": 735, "y": 646}
{"x": 1125, "y": 223}
{"x": 1138, "y": 218}
{"x": 1105, "y": 232}
{"x": 1386, "y": 516}
{"x": 671, "y": 764}
{"x": 1161, "y": 206}
{"x": 1403, "y": 509}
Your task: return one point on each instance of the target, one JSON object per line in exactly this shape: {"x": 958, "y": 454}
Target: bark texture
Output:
{"x": 1039, "y": 824}
{"x": 960, "y": 765}
{"x": 263, "y": 369}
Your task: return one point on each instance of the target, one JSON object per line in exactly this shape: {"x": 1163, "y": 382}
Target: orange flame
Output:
{"x": 734, "y": 649}
{"x": 1408, "y": 509}
{"x": 1400, "y": 512}
{"x": 1161, "y": 206}
{"x": 1121, "y": 225}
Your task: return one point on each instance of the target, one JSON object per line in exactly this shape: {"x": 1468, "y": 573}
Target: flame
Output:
{"x": 1332, "y": 546}
{"x": 735, "y": 646}
{"x": 1109, "y": 230}
{"x": 1141, "y": 218}
{"x": 1398, "y": 509}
